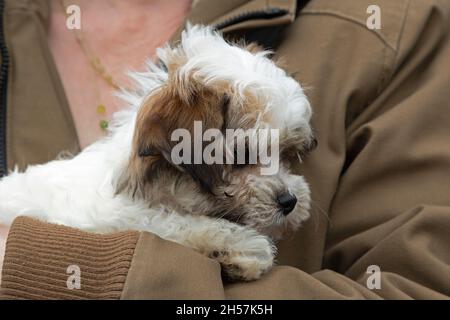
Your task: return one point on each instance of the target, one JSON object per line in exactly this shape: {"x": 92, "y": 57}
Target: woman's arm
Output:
{"x": 49, "y": 261}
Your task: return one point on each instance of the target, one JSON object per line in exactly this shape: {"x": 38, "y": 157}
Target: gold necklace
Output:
{"x": 97, "y": 66}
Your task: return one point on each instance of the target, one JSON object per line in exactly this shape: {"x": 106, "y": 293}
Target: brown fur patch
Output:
{"x": 177, "y": 105}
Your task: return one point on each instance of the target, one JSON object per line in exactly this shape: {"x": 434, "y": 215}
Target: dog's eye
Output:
{"x": 148, "y": 151}
{"x": 238, "y": 164}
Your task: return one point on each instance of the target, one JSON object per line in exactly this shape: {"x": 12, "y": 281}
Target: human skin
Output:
{"x": 122, "y": 34}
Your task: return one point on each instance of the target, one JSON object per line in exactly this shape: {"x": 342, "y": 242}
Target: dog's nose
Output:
{"x": 287, "y": 201}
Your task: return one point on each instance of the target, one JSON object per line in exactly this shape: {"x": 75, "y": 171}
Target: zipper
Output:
{"x": 267, "y": 14}
{"x": 3, "y": 91}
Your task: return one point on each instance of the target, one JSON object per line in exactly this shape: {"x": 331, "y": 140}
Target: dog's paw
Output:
{"x": 247, "y": 260}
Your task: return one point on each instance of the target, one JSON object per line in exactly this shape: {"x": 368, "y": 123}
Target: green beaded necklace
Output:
{"x": 97, "y": 66}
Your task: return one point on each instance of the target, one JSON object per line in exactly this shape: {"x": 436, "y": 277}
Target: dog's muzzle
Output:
{"x": 287, "y": 201}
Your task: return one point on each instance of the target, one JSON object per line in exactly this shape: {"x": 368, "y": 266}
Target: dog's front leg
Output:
{"x": 242, "y": 253}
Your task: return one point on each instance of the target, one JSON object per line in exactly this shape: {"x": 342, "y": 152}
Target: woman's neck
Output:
{"x": 122, "y": 34}
{"x": 114, "y": 28}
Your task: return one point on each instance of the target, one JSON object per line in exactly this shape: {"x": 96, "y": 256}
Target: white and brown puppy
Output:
{"x": 128, "y": 180}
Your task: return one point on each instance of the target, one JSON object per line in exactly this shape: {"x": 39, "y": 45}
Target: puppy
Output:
{"x": 129, "y": 180}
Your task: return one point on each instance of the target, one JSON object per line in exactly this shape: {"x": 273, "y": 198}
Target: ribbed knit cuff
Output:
{"x": 48, "y": 261}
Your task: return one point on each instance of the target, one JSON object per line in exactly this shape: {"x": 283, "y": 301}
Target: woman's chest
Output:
{"x": 91, "y": 99}
{"x": 92, "y": 63}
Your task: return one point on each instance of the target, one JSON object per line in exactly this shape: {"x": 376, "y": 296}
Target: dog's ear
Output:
{"x": 177, "y": 105}
{"x": 150, "y": 136}
{"x": 171, "y": 107}
{"x": 149, "y": 145}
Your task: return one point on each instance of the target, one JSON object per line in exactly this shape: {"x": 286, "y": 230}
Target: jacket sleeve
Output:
{"x": 49, "y": 261}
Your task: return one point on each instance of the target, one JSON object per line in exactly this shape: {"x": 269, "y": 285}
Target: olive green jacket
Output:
{"x": 379, "y": 177}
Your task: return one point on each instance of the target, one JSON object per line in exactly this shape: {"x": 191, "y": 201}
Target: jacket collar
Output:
{"x": 41, "y": 8}
{"x": 228, "y": 16}
{"x": 233, "y": 15}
